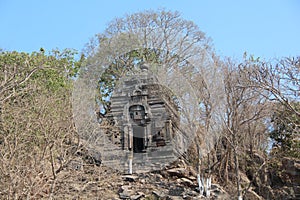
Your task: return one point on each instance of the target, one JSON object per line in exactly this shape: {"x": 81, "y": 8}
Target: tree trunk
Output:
{"x": 238, "y": 184}
{"x": 200, "y": 183}
{"x": 226, "y": 174}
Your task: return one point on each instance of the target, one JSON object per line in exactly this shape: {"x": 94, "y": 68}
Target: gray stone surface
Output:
{"x": 146, "y": 123}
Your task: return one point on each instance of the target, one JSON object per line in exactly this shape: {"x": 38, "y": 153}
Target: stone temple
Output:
{"x": 145, "y": 132}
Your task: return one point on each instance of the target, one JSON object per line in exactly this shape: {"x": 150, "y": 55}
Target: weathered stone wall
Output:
{"x": 145, "y": 122}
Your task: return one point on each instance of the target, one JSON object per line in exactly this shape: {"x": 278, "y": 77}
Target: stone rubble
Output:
{"x": 177, "y": 181}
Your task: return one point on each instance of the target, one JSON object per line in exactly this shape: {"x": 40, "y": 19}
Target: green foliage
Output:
{"x": 119, "y": 67}
{"x": 27, "y": 80}
{"x": 35, "y": 119}
{"x": 51, "y": 71}
{"x": 286, "y": 130}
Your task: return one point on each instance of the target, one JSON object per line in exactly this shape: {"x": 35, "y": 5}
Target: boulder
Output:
{"x": 130, "y": 178}
{"x": 179, "y": 172}
{"x": 176, "y": 191}
{"x": 158, "y": 194}
{"x": 185, "y": 182}
{"x": 137, "y": 197}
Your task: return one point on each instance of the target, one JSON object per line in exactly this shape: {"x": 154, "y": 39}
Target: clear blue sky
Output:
{"x": 265, "y": 28}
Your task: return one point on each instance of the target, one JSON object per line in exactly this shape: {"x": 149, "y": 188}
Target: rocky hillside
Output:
{"x": 99, "y": 182}
{"x": 86, "y": 178}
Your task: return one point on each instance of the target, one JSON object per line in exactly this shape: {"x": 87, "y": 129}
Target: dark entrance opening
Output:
{"x": 138, "y": 116}
{"x": 138, "y": 145}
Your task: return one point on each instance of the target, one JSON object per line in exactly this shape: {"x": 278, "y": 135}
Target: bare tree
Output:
{"x": 37, "y": 135}
{"x": 278, "y": 83}
{"x": 281, "y": 80}
{"x": 244, "y": 108}
{"x": 178, "y": 53}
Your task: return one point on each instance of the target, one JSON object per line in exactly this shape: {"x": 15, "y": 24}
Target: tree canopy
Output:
{"x": 36, "y": 119}
{"x": 49, "y": 101}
